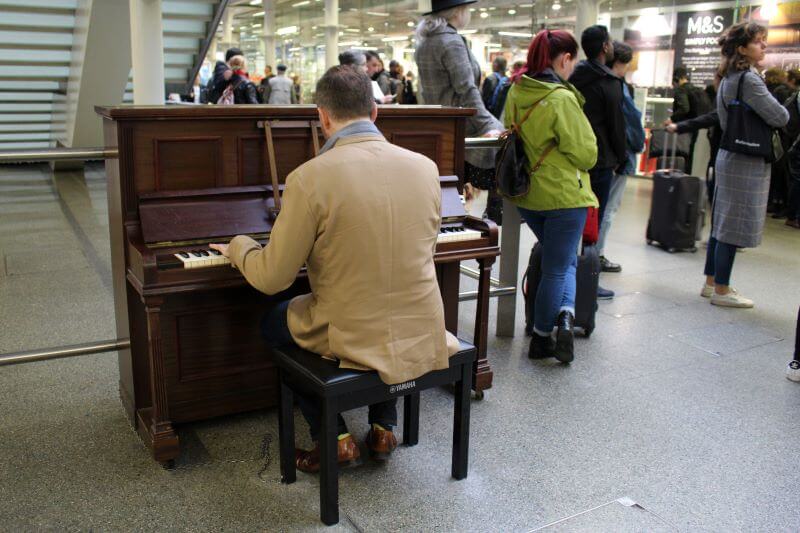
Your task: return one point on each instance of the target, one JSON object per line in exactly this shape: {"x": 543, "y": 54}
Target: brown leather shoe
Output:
{"x": 308, "y": 460}
{"x": 381, "y": 443}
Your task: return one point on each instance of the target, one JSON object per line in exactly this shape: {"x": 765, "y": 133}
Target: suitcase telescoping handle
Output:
{"x": 667, "y": 137}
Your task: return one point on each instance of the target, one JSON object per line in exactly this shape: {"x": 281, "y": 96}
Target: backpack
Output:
{"x": 699, "y": 103}
{"x": 228, "y": 96}
{"x": 499, "y": 97}
{"x": 502, "y": 81}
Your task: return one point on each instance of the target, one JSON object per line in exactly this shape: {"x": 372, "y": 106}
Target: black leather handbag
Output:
{"x": 746, "y": 132}
{"x": 512, "y": 172}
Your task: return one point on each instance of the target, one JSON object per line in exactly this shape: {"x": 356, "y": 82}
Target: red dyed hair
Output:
{"x": 544, "y": 48}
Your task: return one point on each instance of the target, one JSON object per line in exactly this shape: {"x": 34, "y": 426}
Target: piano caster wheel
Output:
{"x": 479, "y": 395}
{"x": 168, "y": 465}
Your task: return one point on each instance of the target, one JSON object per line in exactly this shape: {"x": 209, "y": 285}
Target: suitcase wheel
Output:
{"x": 693, "y": 249}
{"x": 587, "y": 332}
{"x": 672, "y": 250}
{"x": 650, "y": 242}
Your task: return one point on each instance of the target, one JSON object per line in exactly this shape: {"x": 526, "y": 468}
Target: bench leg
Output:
{"x": 411, "y": 419}
{"x": 286, "y": 434}
{"x": 461, "y": 423}
{"x": 328, "y": 467}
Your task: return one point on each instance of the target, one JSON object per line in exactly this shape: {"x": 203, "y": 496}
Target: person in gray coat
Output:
{"x": 742, "y": 181}
{"x": 450, "y": 75}
{"x": 281, "y": 89}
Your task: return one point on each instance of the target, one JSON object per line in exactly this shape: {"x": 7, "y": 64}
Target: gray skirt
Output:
{"x": 740, "y": 198}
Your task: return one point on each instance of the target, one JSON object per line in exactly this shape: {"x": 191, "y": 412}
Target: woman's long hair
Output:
{"x": 740, "y": 34}
{"x": 544, "y": 48}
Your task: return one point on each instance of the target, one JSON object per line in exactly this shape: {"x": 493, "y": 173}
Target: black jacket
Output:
{"x": 217, "y": 83}
{"x": 244, "y": 91}
{"x": 603, "y": 93}
{"x": 708, "y": 121}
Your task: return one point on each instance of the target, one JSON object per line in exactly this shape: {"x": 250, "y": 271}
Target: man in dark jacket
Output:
{"x": 222, "y": 76}
{"x": 688, "y": 102}
{"x": 378, "y": 74}
{"x": 493, "y": 83}
{"x": 602, "y": 90}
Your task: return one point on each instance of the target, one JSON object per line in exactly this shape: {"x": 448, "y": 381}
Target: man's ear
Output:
{"x": 324, "y": 118}
{"x": 374, "y": 113}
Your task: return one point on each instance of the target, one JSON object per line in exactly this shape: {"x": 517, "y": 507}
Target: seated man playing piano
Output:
{"x": 363, "y": 217}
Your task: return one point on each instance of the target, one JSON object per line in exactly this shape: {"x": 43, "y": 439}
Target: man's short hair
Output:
{"x": 679, "y": 73}
{"x": 345, "y": 92}
{"x": 232, "y": 52}
{"x": 592, "y": 40}
{"x": 372, "y": 54}
{"x": 499, "y": 64}
{"x": 352, "y": 58}
{"x": 623, "y": 53}
{"x": 281, "y": 68}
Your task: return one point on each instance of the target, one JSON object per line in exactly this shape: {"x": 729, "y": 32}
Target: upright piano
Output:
{"x": 189, "y": 176}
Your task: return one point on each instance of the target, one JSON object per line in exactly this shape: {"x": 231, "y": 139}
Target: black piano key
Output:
{"x": 184, "y": 255}
{"x": 203, "y": 253}
{"x": 215, "y": 252}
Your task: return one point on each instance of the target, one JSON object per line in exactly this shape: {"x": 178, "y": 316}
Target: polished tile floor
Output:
{"x": 675, "y": 416}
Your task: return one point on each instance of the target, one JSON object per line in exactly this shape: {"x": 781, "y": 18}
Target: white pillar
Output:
{"x": 586, "y": 12}
{"x": 212, "y": 50}
{"x": 269, "y": 33}
{"x": 147, "y": 52}
{"x": 331, "y": 33}
{"x": 227, "y": 29}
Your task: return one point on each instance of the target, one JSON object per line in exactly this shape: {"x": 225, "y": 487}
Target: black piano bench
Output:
{"x": 340, "y": 390}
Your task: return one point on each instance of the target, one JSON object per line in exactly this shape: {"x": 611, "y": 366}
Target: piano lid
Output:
{"x": 173, "y": 216}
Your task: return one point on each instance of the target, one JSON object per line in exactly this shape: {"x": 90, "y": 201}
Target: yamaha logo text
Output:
{"x": 400, "y": 387}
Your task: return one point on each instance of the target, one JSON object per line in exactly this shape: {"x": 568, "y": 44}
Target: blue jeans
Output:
{"x": 275, "y": 331}
{"x": 719, "y": 261}
{"x": 615, "y": 194}
{"x": 559, "y": 232}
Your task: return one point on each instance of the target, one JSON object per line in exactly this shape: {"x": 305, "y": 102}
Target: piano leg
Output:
{"x": 449, "y": 279}
{"x": 481, "y": 371}
{"x": 154, "y": 425}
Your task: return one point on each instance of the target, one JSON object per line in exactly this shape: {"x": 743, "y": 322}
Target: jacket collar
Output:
{"x": 358, "y": 129}
{"x": 597, "y": 65}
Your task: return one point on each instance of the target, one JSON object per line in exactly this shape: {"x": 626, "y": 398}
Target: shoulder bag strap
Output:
{"x": 516, "y": 126}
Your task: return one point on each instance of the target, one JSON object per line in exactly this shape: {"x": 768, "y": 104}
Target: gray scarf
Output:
{"x": 361, "y": 127}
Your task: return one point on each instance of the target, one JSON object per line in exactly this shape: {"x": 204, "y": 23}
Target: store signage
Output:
{"x": 696, "y": 43}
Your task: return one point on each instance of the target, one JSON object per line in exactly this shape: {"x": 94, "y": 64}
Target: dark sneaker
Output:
{"x": 608, "y": 266}
{"x": 564, "y": 350}
{"x": 604, "y": 294}
{"x": 541, "y": 347}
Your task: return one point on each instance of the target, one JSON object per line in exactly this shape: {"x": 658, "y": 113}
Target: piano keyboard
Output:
{"x": 202, "y": 258}
{"x": 456, "y": 234}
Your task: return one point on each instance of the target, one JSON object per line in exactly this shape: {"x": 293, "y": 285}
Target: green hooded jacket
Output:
{"x": 562, "y": 181}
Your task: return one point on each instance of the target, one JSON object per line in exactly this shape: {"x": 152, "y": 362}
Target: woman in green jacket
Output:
{"x": 558, "y": 137}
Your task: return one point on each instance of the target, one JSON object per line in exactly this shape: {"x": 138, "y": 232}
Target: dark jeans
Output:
{"x": 275, "y": 331}
{"x": 794, "y": 200}
{"x": 797, "y": 338}
{"x": 601, "y": 179}
{"x": 719, "y": 261}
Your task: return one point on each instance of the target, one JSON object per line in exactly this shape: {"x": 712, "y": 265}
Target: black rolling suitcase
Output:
{"x": 676, "y": 209}
{"x": 587, "y": 278}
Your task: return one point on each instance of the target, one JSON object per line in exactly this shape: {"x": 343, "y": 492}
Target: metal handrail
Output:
{"x": 482, "y": 142}
{"x": 57, "y": 154}
{"x": 211, "y": 31}
{"x": 47, "y": 354}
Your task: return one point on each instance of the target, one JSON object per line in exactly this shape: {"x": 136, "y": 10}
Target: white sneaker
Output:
{"x": 707, "y": 291}
{"x": 793, "y": 371}
{"x": 732, "y": 299}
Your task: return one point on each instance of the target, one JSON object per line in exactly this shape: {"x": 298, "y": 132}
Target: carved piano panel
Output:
{"x": 187, "y": 163}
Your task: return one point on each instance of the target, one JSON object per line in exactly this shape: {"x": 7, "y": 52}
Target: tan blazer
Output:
{"x": 363, "y": 217}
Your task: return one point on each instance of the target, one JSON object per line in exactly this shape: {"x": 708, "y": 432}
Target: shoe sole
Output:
{"x": 605, "y": 297}
{"x": 732, "y": 305}
{"x": 612, "y": 270}
{"x": 705, "y": 294}
{"x": 380, "y": 457}
{"x": 565, "y": 346}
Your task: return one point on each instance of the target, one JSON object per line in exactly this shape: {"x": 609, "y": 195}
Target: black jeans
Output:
{"x": 601, "y": 179}
{"x": 275, "y": 331}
